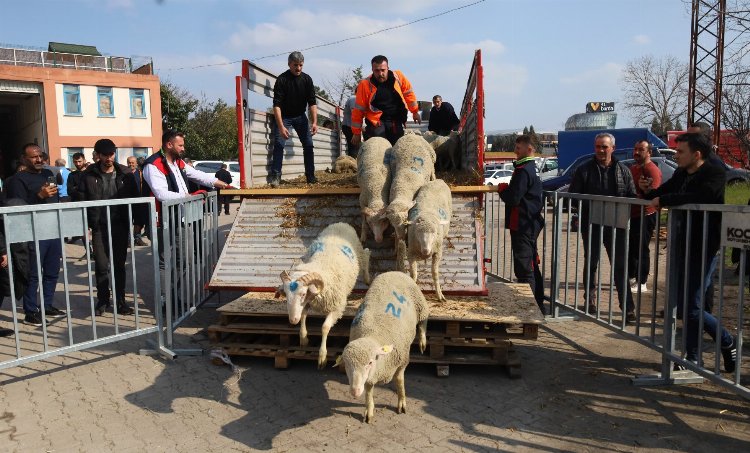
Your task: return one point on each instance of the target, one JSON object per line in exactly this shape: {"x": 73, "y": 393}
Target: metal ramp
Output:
{"x": 272, "y": 232}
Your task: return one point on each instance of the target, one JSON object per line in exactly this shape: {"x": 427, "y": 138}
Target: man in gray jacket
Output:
{"x": 604, "y": 175}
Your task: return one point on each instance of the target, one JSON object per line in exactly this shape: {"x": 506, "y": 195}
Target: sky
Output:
{"x": 543, "y": 59}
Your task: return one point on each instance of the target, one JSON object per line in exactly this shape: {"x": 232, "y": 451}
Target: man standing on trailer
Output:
{"x": 293, "y": 92}
{"x": 382, "y": 101}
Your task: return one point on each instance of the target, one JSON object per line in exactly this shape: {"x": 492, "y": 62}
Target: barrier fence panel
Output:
{"x": 189, "y": 233}
{"x": 35, "y": 241}
{"x": 662, "y": 265}
{"x": 657, "y": 266}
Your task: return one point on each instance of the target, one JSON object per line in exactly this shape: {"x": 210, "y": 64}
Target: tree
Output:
{"x": 212, "y": 132}
{"x": 322, "y": 93}
{"x": 735, "y": 113}
{"x": 177, "y": 106}
{"x": 655, "y": 91}
{"x": 525, "y": 130}
{"x": 345, "y": 84}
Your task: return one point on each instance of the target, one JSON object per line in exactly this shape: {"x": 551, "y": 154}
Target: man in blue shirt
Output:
{"x": 62, "y": 180}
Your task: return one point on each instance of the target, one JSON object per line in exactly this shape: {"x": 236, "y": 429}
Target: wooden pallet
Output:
{"x": 462, "y": 330}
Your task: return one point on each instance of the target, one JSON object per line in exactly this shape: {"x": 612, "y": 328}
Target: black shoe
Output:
{"x": 680, "y": 367}
{"x": 226, "y": 212}
{"x": 101, "y": 307}
{"x": 123, "y": 309}
{"x": 33, "y": 318}
{"x": 53, "y": 311}
{"x": 730, "y": 356}
{"x": 630, "y": 317}
{"x": 312, "y": 179}
{"x": 275, "y": 181}
{"x": 6, "y": 332}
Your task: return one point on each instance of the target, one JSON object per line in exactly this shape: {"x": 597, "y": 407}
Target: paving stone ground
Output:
{"x": 575, "y": 395}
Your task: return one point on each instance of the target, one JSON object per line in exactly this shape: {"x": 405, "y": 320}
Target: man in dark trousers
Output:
{"x": 443, "y": 118}
{"x": 19, "y": 255}
{"x": 643, "y": 167}
{"x": 293, "y": 92}
{"x": 108, "y": 180}
{"x": 36, "y": 185}
{"x": 382, "y": 102}
{"x": 604, "y": 175}
{"x": 224, "y": 175}
{"x": 699, "y": 181}
{"x": 523, "y": 217}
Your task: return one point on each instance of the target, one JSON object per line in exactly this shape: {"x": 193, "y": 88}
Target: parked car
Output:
{"x": 547, "y": 166}
{"x": 625, "y": 156}
{"x": 212, "y": 166}
{"x": 498, "y": 177}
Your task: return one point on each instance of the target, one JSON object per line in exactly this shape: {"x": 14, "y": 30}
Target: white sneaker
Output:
{"x": 634, "y": 288}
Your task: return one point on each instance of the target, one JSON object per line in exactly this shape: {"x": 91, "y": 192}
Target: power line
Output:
{"x": 335, "y": 42}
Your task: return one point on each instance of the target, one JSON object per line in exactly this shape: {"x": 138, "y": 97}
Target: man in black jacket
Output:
{"x": 19, "y": 255}
{"x": 702, "y": 182}
{"x": 36, "y": 185}
{"x": 74, "y": 179}
{"x": 223, "y": 175}
{"x": 604, "y": 175}
{"x": 293, "y": 92}
{"x": 443, "y": 118}
{"x": 523, "y": 217}
{"x": 108, "y": 180}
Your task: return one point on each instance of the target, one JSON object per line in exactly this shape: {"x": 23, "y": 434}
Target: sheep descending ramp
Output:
{"x": 272, "y": 230}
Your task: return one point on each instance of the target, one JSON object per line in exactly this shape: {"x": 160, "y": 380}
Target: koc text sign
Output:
{"x": 735, "y": 230}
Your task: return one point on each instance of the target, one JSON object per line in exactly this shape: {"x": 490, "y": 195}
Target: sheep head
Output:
{"x": 377, "y": 220}
{"x": 398, "y": 213}
{"x": 300, "y": 288}
{"x": 361, "y": 358}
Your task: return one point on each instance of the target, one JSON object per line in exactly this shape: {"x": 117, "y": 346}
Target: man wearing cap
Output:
{"x": 108, "y": 180}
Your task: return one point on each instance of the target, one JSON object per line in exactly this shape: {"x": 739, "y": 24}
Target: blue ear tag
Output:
{"x": 293, "y": 286}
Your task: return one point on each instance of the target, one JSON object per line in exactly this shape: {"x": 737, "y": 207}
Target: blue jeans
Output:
{"x": 302, "y": 127}
{"x": 692, "y": 320}
{"x": 50, "y": 254}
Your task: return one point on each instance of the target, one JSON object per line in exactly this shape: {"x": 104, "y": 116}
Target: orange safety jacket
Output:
{"x": 363, "y": 107}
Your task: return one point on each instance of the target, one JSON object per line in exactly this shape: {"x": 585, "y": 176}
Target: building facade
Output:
{"x": 65, "y": 102}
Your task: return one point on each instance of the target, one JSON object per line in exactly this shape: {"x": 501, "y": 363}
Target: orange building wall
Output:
{"x": 48, "y": 77}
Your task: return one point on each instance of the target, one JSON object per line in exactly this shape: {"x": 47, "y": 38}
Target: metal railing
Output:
{"x": 580, "y": 281}
{"x": 27, "y": 56}
{"x": 33, "y": 231}
{"x": 189, "y": 253}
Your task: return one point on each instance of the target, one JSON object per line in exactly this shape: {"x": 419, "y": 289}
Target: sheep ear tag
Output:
{"x": 383, "y": 350}
{"x": 338, "y": 361}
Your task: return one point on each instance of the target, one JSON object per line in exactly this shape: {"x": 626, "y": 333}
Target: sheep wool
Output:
{"x": 382, "y": 332}
{"x": 374, "y": 179}
{"x": 345, "y": 164}
{"x": 324, "y": 279}
{"x": 427, "y": 227}
{"x": 413, "y": 165}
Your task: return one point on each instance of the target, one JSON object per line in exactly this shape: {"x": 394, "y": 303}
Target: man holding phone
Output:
{"x": 37, "y": 185}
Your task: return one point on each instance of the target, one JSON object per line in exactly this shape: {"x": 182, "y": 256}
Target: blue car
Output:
{"x": 625, "y": 156}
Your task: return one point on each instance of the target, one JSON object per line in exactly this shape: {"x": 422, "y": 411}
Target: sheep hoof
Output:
{"x": 401, "y": 407}
{"x": 368, "y": 417}
{"x": 303, "y": 341}
{"x": 422, "y": 346}
{"x": 322, "y": 361}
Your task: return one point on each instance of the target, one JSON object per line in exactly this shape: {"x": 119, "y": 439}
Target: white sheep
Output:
{"x": 428, "y": 225}
{"x": 448, "y": 152}
{"x": 374, "y": 178}
{"x": 345, "y": 164}
{"x": 413, "y": 164}
{"x": 381, "y": 335}
{"x": 324, "y": 279}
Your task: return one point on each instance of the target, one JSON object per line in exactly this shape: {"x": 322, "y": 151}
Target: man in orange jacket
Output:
{"x": 382, "y": 101}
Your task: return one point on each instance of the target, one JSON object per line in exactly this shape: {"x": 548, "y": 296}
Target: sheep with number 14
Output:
{"x": 381, "y": 335}
{"x": 324, "y": 279}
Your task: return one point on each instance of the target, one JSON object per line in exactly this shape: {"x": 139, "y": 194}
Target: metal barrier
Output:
{"x": 38, "y": 228}
{"x": 575, "y": 272}
{"x": 187, "y": 257}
